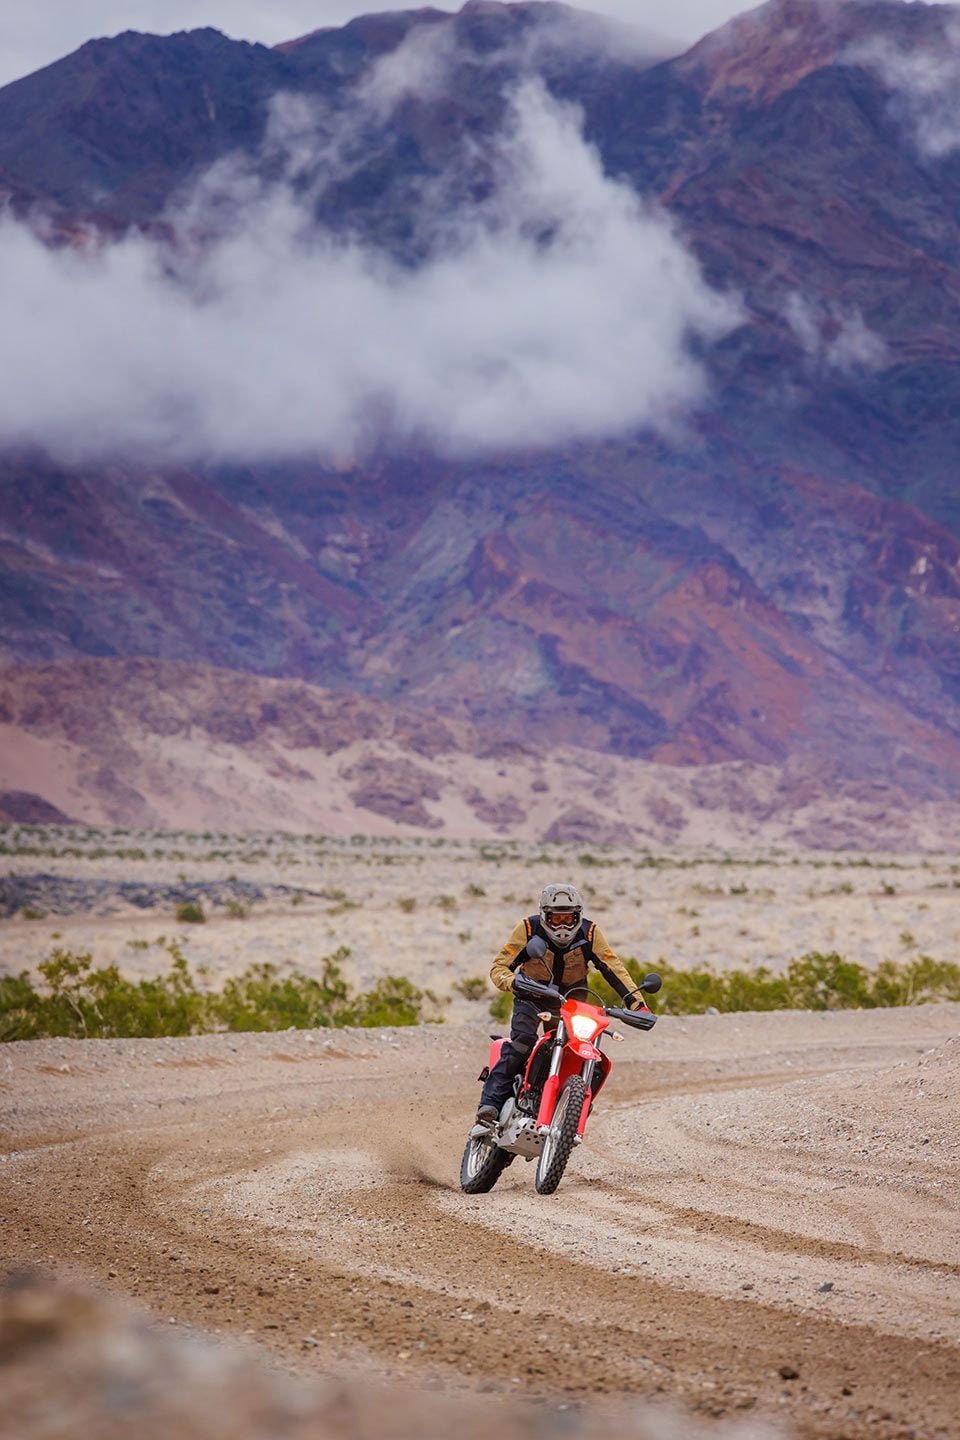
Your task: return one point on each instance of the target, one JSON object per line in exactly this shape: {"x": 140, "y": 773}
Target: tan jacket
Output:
{"x": 573, "y": 968}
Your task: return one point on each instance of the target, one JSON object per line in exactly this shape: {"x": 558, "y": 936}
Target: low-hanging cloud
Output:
{"x": 834, "y": 337}
{"x": 422, "y": 63}
{"x": 925, "y": 86}
{"x": 564, "y": 308}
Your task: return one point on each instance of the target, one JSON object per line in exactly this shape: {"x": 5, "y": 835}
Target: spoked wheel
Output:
{"x": 559, "y": 1139}
{"x": 482, "y": 1165}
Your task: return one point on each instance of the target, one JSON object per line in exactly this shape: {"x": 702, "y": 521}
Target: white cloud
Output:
{"x": 834, "y": 337}
{"x": 925, "y": 85}
{"x": 562, "y": 309}
{"x": 421, "y": 64}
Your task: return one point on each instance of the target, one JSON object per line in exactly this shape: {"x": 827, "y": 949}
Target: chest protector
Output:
{"x": 564, "y": 968}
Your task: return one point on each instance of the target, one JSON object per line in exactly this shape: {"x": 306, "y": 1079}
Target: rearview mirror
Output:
{"x": 651, "y": 983}
{"x": 536, "y": 948}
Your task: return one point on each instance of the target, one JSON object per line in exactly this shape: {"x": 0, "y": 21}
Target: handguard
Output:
{"x": 546, "y": 995}
{"x": 637, "y": 1019}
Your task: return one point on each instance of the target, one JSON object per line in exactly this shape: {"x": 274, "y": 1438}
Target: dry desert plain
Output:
{"x": 761, "y": 1229}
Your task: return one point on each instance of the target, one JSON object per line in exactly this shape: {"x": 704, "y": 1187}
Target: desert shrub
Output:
{"x": 394, "y": 1000}
{"x": 916, "y": 982}
{"x": 190, "y": 912}
{"x": 473, "y": 988}
{"x": 263, "y": 999}
{"x": 477, "y": 891}
{"x": 236, "y": 909}
{"x": 501, "y": 1006}
{"x": 81, "y": 1002}
{"x": 76, "y": 1000}
{"x": 18, "y": 1012}
{"x": 828, "y": 982}
{"x": 408, "y": 903}
{"x": 446, "y": 902}
{"x": 812, "y": 982}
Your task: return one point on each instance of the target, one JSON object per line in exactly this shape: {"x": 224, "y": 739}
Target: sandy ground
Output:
{"x": 762, "y": 1224}
{"x": 438, "y": 911}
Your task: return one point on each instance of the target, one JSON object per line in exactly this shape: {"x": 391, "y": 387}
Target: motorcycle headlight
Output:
{"x": 584, "y": 1026}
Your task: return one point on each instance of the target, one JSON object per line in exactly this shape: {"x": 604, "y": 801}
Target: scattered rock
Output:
{"x": 57, "y": 895}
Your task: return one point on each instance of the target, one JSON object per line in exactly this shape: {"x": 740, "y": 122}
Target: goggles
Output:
{"x": 563, "y": 917}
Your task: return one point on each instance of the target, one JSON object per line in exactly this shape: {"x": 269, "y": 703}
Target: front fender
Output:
{"x": 584, "y": 1050}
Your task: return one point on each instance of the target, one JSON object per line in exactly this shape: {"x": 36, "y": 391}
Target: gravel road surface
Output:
{"x": 762, "y": 1225}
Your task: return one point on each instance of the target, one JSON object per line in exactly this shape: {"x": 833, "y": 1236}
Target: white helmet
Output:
{"x": 561, "y": 910}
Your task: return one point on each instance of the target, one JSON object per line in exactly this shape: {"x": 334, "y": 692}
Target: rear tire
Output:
{"x": 482, "y": 1165}
{"x": 558, "y": 1142}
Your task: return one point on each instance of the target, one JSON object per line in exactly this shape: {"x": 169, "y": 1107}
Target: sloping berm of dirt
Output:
{"x": 74, "y": 1362}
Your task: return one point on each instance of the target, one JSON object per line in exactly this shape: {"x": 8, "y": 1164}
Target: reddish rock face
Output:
{"x": 780, "y": 580}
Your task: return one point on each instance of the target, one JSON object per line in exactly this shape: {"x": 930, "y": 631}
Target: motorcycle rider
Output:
{"x": 573, "y": 944}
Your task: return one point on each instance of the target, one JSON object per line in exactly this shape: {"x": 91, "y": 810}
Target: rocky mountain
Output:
{"x": 772, "y": 579}
{"x": 161, "y": 744}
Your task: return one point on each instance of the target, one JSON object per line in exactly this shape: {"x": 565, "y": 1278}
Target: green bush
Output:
{"x": 812, "y": 982}
{"x": 190, "y": 912}
{"x": 501, "y": 1006}
{"x": 394, "y": 1001}
{"x": 77, "y": 1000}
{"x": 474, "y": 988}
{"x": 82, "y": 1002}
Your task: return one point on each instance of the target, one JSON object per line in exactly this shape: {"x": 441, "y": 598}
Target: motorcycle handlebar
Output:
{"x": 639, "y": 1019}
{"x": 552, "y": 998}
{"x": 535, "y": 990}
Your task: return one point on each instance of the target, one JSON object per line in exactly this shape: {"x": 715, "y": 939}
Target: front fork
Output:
{"x": 588, "y": 1073}
{"x": 551, "y": 1085}
{"x": 548, "y": 1100}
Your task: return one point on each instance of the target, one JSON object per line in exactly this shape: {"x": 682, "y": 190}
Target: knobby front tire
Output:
{"x": 558, "y": 1143}
{"x": 482, "y": 1165}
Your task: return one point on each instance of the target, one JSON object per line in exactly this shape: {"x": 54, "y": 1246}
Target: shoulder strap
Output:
{"x": 530, "y": 923}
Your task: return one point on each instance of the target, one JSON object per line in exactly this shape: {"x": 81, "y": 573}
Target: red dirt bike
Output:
{"x": 547, "y": 1114}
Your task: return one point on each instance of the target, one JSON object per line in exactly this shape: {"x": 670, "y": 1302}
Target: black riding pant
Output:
{"x": 515, "y": 1053}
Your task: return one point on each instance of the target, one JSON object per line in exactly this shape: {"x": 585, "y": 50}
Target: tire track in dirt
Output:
{"x": 316, "y": 1227}
{"x": 716, "y": 1356}
{"x": 766, "y": 1237}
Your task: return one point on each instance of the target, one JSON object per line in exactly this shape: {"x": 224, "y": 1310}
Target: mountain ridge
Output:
{"x": 775, "y": 579}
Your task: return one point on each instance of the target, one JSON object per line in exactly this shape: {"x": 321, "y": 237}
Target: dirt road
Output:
{"x": 764, "y": 1220}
